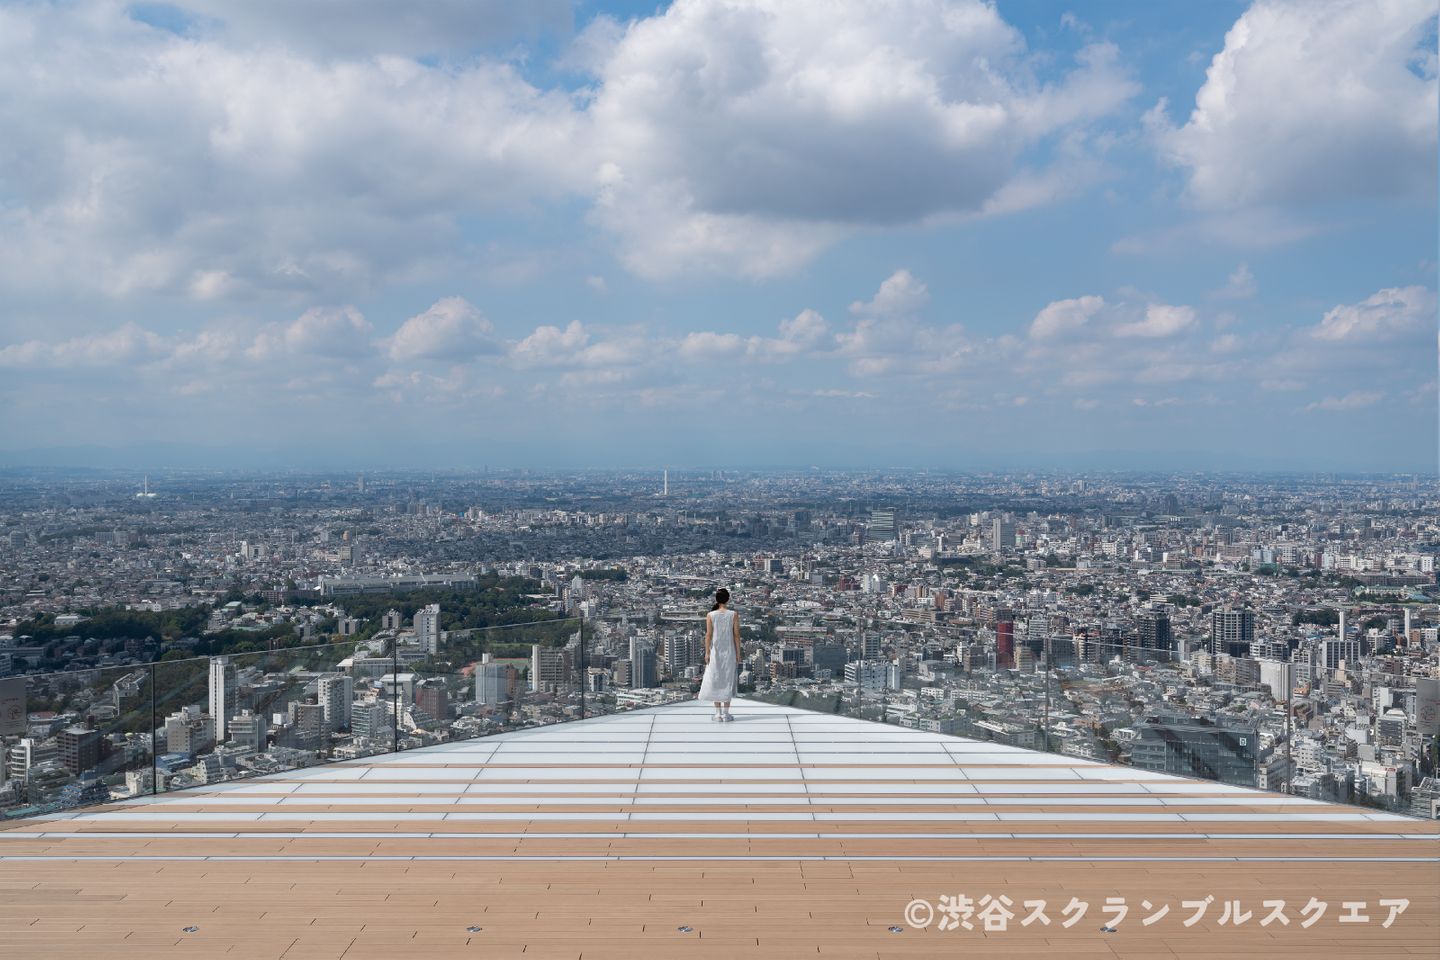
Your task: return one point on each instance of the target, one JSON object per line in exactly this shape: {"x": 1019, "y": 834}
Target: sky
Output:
{"x": 941, "y": 234}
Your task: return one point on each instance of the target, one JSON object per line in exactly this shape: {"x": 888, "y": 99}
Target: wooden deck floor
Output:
{"x": 783, "y": 834}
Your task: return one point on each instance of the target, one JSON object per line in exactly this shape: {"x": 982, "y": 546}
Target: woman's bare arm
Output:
{"x": 736, "y": 621}
{"x": 709, "y": 625}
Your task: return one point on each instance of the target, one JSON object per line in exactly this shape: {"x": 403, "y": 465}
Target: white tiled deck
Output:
{"x": 783, "y": 831}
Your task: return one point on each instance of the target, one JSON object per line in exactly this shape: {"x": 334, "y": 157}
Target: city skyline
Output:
{"x": 951, "y": 235}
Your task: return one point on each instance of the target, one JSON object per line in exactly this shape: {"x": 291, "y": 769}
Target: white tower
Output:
{"x": 666, "y": 483}
{"x": 222, "y": 696}
{"x": 427, "y": 628}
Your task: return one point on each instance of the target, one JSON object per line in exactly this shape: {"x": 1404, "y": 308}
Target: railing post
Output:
{"x": 1045, "y": 730}
{"x": 395, "y": 695}
{"x": 1289, "y": 728}
{"x": 154, "y": 725}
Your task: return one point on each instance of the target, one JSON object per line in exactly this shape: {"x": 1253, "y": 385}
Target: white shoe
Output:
{"x": 727, "y": 718}
{"x": 714, "y": 717}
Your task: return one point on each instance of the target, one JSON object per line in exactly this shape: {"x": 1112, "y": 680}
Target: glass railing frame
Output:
{"x": 152, "y": 669}
{"x": 1170, "y": 656}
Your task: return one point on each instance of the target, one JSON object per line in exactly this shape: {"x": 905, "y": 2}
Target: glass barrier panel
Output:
{"x": 1151, "y": 709}
{"x": 249, "y": 714}
{"x": 472, "y": 683}
{"x": 79, "y": 738}
{"x": 632, "y": 666}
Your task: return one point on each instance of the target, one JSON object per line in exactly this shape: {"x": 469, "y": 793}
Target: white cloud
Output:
{"x": 326, "y": 332}
{"x": 1311, "y": 101}
{"x": 1092, "y": 319}
{"x": 136, "y": 160}
{"x": 305, "y": 153}
{"x": 707, "y": 344}
{"x": 1385, "y": 315}
{"x": 452, "y": 329}
{"x": 745, "y": 135}
{"x": 574, "y": 348}
{"x": 1161, "y": 320}
{"x": 805, "y": 332}
{"x": 1355, "y": 400}
{"x": 1064, "y": 316}
{"x": 1239, "y": 286}
{"x": 900, "y": 295}
{"x": 128, "y": 344}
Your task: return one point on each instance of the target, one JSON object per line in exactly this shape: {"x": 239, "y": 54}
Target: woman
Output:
{"x": 722, "y": 655}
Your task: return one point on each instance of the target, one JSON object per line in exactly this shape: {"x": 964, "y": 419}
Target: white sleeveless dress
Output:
{"x": 722, "y": 672}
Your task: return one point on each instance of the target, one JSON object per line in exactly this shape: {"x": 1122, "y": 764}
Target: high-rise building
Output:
{"x": 307, "y": 725}
{"x": 681, "y": 651}
{"x": 222, "y": 696}
{"x": 870, "y": 646}
{"x": 1232, "y": 631}
{"x": 79, "y": 748}
{"x": 494, "y": 682}
{"x": 1002, "y": 534}
{"x": 248, "y": 730}
{"x": 427, "y": 629}
{"x": 392, "y": 620}
{"x": 1153, "y": 633}
{"x": 187, "y": 730}
{"x": 644, "y": 671}
{"x": 1005, "y": 644}
{"x": 549, "y": 668}
{"x": 371, "y": 720}
{"x": 432, "y": 697}
{"x": 870, "y": 675}
{"x": 1192, "y": 748}
{"x": 24, "y": 754}
{"x": 829, "y": 656}
{"x": 882, "y": 524}
{"x": 1340, "y": 651}
{"x": 336, "y": 695}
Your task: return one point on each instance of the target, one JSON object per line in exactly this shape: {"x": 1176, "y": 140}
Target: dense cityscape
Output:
{"x": 188, "y": 628}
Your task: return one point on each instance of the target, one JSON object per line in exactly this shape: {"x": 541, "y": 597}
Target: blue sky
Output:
{"x": 721, "y": 233}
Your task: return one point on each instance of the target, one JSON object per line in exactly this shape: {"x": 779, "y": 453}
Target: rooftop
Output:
{"x": 659, "y": 833}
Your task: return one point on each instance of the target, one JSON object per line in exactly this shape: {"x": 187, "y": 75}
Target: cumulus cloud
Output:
{"x": 326, "y": 332}
{"x": 805, "y": 332}
{"x": 1312, "y": 101}
{"x": 704, "y": 344}
{"x": 747, "y": 134}
{"x": 1064, "y": 316}
{"x": 1092, "y": 318}
{"x": 452, "y": 329}
{"x": 901, "y": 294}
{"x": 1160, "y": 320}
{"x": 129, "y": 344}
{"x": 137, "y": 160}
{"x": 1385, "y": 315}
{"x": 252, "y": 152}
